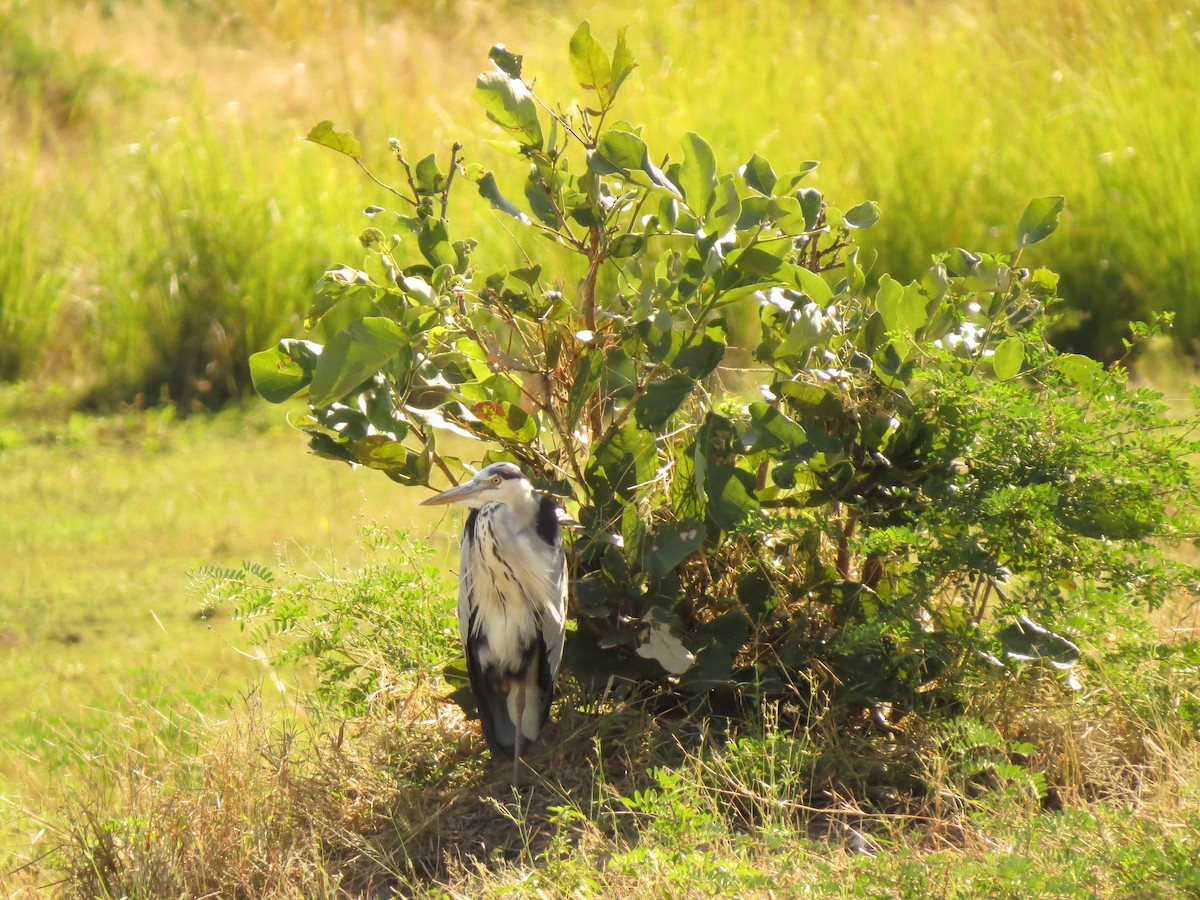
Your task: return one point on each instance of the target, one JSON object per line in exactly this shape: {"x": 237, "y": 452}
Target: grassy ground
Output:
{"x": 103, "y": 520}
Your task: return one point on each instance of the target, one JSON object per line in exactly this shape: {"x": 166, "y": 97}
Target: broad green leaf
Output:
{"x": 670, "y": 544}
{"x": 589, "y": 371}
{"x": 902, "y": 309}
{"x": 730, "y": 493}
{"x": 591, "y": 65}
{"x": 772, "y": 430}
{"x": 509, "y": 104}
{"x": 717, "y": 645}
{"x": 342, "y": 141}
{"x": 864, "y": 215}
{"x": 620, "y": 465}
{"x": 276, "y": 375}
{"x": 660, "y": 401}
{"x": 491, "y": 193}
{"x": 786, "y": 183}
{"x": 726, "y": 207}
{"x": 810, "y": 283}
{"x": 353, "y": 355}
{"x": 625, "y": 246}
{"x": 435, "y": 243}
{"x": 1039, "y": 220}
{"x": 698, "y": 174}
{"x": 698, "y": 357}
{"x": 622, "y": 63}
{"x": 1007, "y": 360}
{"x": 428, "y": 178}
{"x": 758, "y": 262}
{"x": 506, "y": 420}
{"x": 506, "y": 62}
{"x": 811, "y": 202}
{"x": 1083, "y": 371}
{"x": 756, "y": 593}
{"x": 759, "y": 175}
{"x": 1028, "y": 641}
{"x": 539, "y": 199}
{"x": 623, "y": 151}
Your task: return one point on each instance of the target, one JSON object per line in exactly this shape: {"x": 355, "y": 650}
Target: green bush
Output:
{"x": 919, "y": 491}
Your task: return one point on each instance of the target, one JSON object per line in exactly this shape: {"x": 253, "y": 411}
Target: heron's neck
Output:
{"x": 524, "y": 507}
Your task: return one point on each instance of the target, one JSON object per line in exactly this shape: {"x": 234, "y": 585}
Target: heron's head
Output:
{"x": 500, "y": 482}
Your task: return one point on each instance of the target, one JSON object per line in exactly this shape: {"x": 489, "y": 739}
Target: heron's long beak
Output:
{"x": 455, "y": 494}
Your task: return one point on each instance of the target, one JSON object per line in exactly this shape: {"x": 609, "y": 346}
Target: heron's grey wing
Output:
{"x": 554, "y": 602}
{"x": 490, "y": 695}
{"x": 466, "y": 574}
{"x": 554, "y": 627}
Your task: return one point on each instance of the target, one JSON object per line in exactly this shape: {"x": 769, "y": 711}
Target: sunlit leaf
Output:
{"x": 698, "y": 174}
{"x": 1007, "y": 360}
{"x": 591, "y": 65}
{"x": 353, "y": 355}
{"x": 509, "y": 104}
{"x": 1040, "y": 220}
{"x": 323, "y": 133}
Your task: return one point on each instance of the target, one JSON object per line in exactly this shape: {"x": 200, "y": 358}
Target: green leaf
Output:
{"x": 435, "y": 243}
{"x": 730, "y": 493}
{"x": 589, "y": 371}
{"x": 811, "y": 202}
{"x": 699, "y": 357}
{"x": 1028, "y": 641}
{"x": 490, "y": 192}
{"x": 622, "y": 150}
{"x": 772, "y": 430}
{"x": 864, "y": 215}
{"x": 428, "y": 178}
{"x": 756, "y": 593}
{"x": 661, "y": 399}
{"x": 717, "y": 645}
{"x": 759, "y": 175}
{"x": 620, "y": 465}
{"x": 353, "y": 355}
{"x": 625, "y": 246}
{"x": 591, "y": 65}
{"x": 902, "y": 309}
{"x": 1040, "y": 220}
{"x": 276, "y": 375}
{"x": 698, "y": 174}
{"x": 1007, "y": 360}
{"x": 623, "y": 63}
{"x": 726, "y": 207}
{"x": 506, "y": 420}
{"x": 342, "y": 141}
{"x": 1083, "y": 371}
{"x": 506, "y": 62}
{"x": 509, "y": 104}
{"x": 670, "y": 544}
{"x": 812, "y": 284}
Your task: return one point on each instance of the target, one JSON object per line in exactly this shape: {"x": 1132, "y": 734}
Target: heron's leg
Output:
{"x": 519, "y": 687}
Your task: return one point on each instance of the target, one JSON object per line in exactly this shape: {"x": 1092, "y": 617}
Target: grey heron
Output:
{"x": 512, "y": 598}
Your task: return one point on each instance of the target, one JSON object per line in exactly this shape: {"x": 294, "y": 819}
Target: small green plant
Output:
{"x": 360, "y": 630}
{"x": 901, "y": 487}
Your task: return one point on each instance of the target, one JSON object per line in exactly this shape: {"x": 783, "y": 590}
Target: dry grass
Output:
{"x": 620, "y": 802}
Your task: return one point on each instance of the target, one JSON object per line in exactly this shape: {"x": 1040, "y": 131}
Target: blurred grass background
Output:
{"x": 160, "y": 219}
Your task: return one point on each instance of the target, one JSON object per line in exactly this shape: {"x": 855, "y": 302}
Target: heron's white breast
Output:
{"x": 512, "y": 587}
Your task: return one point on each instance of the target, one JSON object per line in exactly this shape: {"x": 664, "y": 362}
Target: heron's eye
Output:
{"x": 496, "y": 480}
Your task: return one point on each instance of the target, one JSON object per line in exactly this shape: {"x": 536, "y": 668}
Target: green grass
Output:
{"x": 104, "y": 519}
